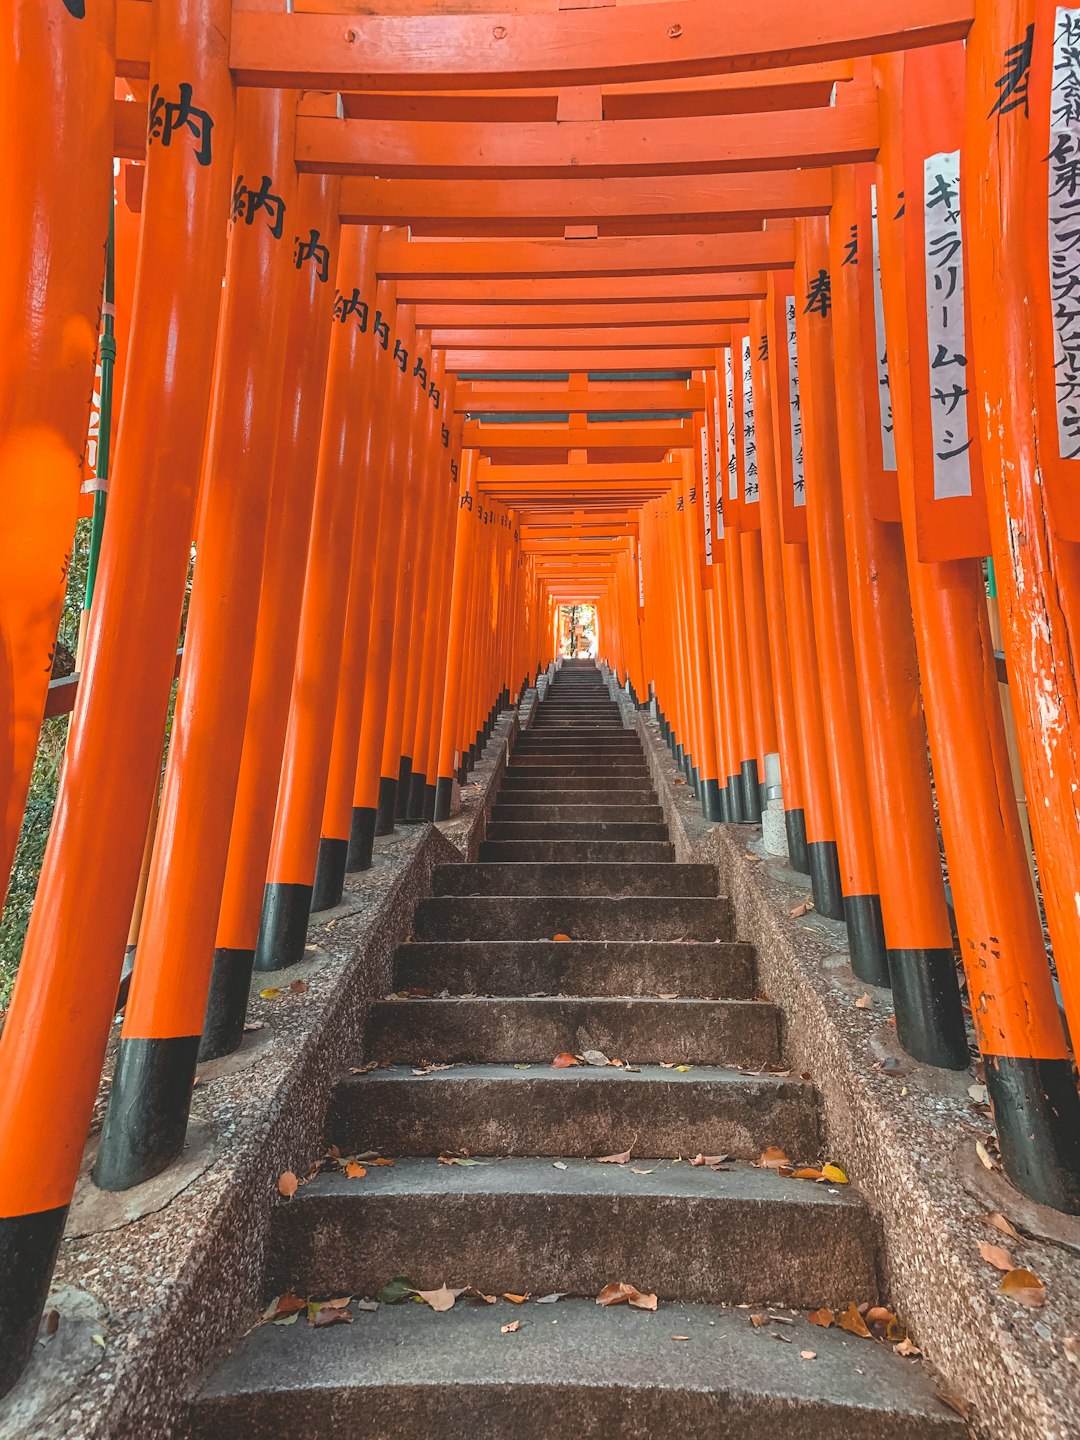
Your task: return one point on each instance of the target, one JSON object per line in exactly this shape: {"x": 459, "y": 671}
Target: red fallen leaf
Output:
{"x": 561, "y": 937}
{"x": 299, "y": 987}
{"x": 516, "y": 1299}
{"x": 619, "y": 1292}
{"x": 380, "y": 1160}
{"x": 330, "y": 1315}
{"x": 511, "y": 1329}
{"x": 853, "y": 1322}
{"x": 996, "y": 1255}
{"x": 287, "y": 1304}
{"x": 564, "y": 1061}
{"x": 1025, "y": 1287}
{"x": 807, "y": 1174}
{"x": 623, "y": 1158}
{"x": 823, "y": 1317}
{"x": 355, "y": 1171}
{"x": 772, "y": 1158}
{"x": 287, "y": 1184}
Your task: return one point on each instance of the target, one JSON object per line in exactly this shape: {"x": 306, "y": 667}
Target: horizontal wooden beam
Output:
{"x": 400, "y": 257}
{"x": 657, "y": 435}
{"x": 512, "y": 401}
{"x": 628, "y": 337}
{"x": 558, "y": 317}
{"x": 691, "y": 357}
{"x": 575, "y": 47}
{"x": 520, "y": 206}
{"x": 542, "y": 290}
{"x": 580, "y": 473}
{"x": 713, "y": 144}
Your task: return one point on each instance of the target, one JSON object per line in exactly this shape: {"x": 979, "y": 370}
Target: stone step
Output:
{"x": 505, "y": 1030}
{"x": 579, "y": 967}
{"x": 582, "y": 793}
{"x": 582, "y": 917}
{"x": 692, "y": 1234}
{"x": 581, "y": 852}
{"x": 514, "y": 782}
{"x": 546, "y": 830}
{"x": 555, "y": 879}
{"x": 585, "y": 1110}
{"x": 612, "y": 814}
{"x": 406, "y": 1370}
{"x": 582, "y": 760}
{"x": 620, "y": 741}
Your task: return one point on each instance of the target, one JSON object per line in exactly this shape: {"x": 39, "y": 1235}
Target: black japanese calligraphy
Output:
{"x": 168, "y": 117}
{"x": 246, "y": 204}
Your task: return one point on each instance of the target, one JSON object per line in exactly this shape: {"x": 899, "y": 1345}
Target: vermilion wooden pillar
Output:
{"x": 57, "y": 1026}
{"x": 147, "y": 1117}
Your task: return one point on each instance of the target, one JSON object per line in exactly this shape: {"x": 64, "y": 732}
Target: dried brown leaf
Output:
{"x": 758, "y": 1320}
{"x": 516, "y": 1299}
{"x": 996, "y": 1255}
{"x": 851, "y": 1321}
{"x": 561, "y": 937}
{"x": 287, "y": 1183}
{"x": 511, "y": 1329}
{"x": 772, "y": 1158}
{"x": 907, "y": 1348}
{"x": 355, "y": 1171}
{"x": 564, "y": 1061}
{"x": 1024, "y": 1287}
{"x": 808, "y": 1354}
{"x": 441, "y": 1299}
{"x": 823, "y": 1317}
{"x": 619, "y": 1292}
{"x": 998, "y": 1221}
{"x": 863, "y": 1002}
{"x": 800, "y": 910}
{"x": 622, "y": 1158}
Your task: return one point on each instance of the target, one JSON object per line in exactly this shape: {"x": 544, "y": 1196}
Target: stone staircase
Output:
{"x": 651, "y": 975}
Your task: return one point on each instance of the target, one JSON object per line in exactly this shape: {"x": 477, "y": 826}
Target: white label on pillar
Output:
{"x": 798, "y": 478}
{"x": 732, "y": 466}
{"x": 750, "y": 465}
{"x": 706, "y": 493}
{"x": 945, "y": 325}
{"x": 718, "y": 470}
{"x": 885, "y": 417}
{"x": 1063, "y": 155}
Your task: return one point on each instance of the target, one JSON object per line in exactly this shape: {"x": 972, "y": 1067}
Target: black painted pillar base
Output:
{"x": 283, "y": 926}
{"x": 725, "y": 804}
{"x": 680, "y": 758}
{"x": 1037, "y": 1114}
{"x": 825, "y": 879}
{"x": 695, "y": 781}
{"x": 461, "y": 774}
{"x": 384, "y": 812}
{"x": 226, "y": 1004}
{"x": 428, "y": 811}
{"x": 329, "y": 884}
{"x": 146, "y": 1121}
{"x": 929, "y": 1017}
{"x": 403, "y": 780}
{"x": 751, "y": 786}
{"x": 28, "y": 1247}
{"x": 361, "y": 839}
{"x": 414, "y": 807}
{"x": 866, "y": 939}
{"x": 798, "y": 854}
{"x": 444, "y": 792}
{"x": 711, "y": 800}
{"x": 735, "y": 799}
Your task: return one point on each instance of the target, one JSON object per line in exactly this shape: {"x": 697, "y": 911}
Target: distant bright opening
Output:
{"x": 577, "y": 631}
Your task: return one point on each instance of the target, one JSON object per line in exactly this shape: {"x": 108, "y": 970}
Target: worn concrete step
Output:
{"x": 579, "y": 967}
{"x": 582, "y": 760}
{"x": 514, "y": 782}
{"x": 612, "y": 814}
{"x": 505, "y": 1030}
{"x": 691, "y": 1234}
{"x": 582, "y": 917}
{"x": 614, "y": 1372}
{"x": 632, "y": 852}
{"x": 498, "y": 1110}
{"x": 582, "y": 793}
{"x": 618, "y": 742}
{"x": 556, "y": 879}
{"x": 600, "y": 830}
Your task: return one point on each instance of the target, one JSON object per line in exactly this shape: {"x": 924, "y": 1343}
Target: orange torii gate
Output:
{"x": 770, "y": 566}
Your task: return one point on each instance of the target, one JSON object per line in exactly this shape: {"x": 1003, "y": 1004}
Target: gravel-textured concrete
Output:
{"x": 741, "y": 1235}
{"x": 592, "y": 917}
{"x": 600, "y": 878}
{"x": 585, "y": 967}
{"x": 572, "y": 1368}
{"x": 907, "y": 1133}
{"x": 581, "y": 852}
{"x": 498, "y": 1110}
{"x": 166, "y": 1290}
{"x": 642, "y": 1031}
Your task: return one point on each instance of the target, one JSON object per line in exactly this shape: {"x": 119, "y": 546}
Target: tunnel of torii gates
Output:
{"x": 755, "y": 326}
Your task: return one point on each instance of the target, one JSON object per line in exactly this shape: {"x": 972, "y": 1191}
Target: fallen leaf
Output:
{"x": 620, "y": 1291}
{"x": 758, "y": 1320}
{"x": 287, "y": 1304}
{"x": 680, "y": 1337}
{"x": 381, "y": 1160}
{"x": 364, "y": 1069}
{"x": 550, "y": 1299}
{"x": 823, "y": 1317}
{"x": 328, "y": 1315}
{"x": 979, "y": 1094}
{"x": 271, "y": 994}
{"x": 682, "y": 1069}
{"x": 667, "y": 1064}
{"x": 516, "y": 1299}
{"x": 772, "y": 1158}
{"x": 836, "y": 1173}
{"x": 984, "y": 1155}
{"x": 711, "y": 1160}
{"x": 671, "y": 995}
{"x": 564, "y": 1061}
{"x": 853, "y": 1322}
{"x": 510, "y": 1329}
{"x": 808, "y": 1354}
{"x": 807, "y": 1173}
{"x": 287, "y": 1184}
{"x": 559, "y": 1164}
{"x": 299, "y": 987}
{"x": 431, "y": 1069}
{"x": 962, "y": 1408}
{"x": 52, "y": 1322}
{"x": 1023, "y": 1286}
{"x": 595, "y": 1057}
{"x": 355, "y": 1172}
{"x": 635, "y": 1171}
{"x": 465, "y": 1160}
{"x": 338, "y": 1304}
{"x": 441, "y": 1299}
{"x": 907, "y": 1348}
{"x": 997, "y": 1256}
{"x": 98, "y": 1340}
{"x": 622, "y": 1158}
{"x": 998, "y": 1221}
{"x": 396, "y": 1290}
{"x": 473, "y": 1294}
{"x": 800, "y": 910}
{"x": 879, "y": 1315}
{"x": 366, "y": 1304}
{"x": 253, "y": 1025}
{"x": 561, "y": 937}
{"x": 863, "y": 1002}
